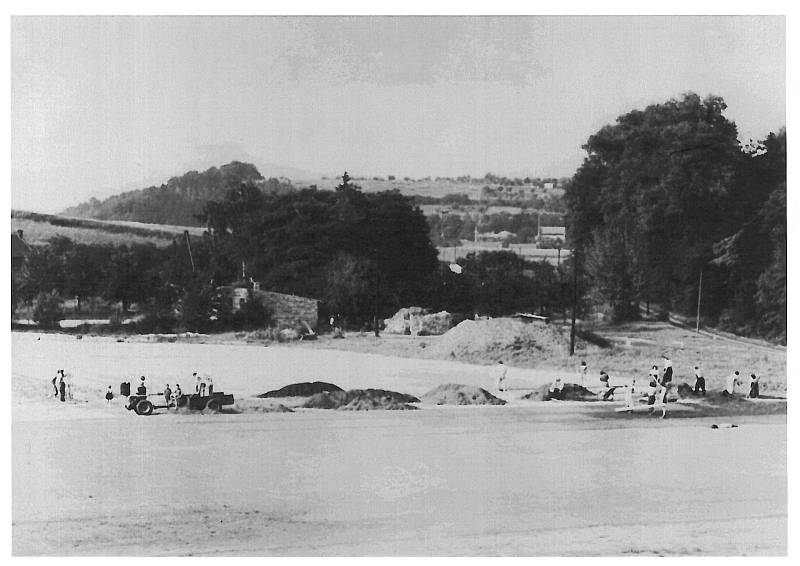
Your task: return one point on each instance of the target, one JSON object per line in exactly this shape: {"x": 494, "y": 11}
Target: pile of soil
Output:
{"x": 305, "y": 389}
{"x": 569, "y": 392}
{"x": 424, "y": 323}
{"x": 245, "y": 407}
{"x": 457, "y": 394}
{"x": 500, "y": 339}
{"x": 361, "y": 400}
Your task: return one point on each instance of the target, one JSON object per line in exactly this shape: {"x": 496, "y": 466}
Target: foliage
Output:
{"x": 666, "y": 193}
{"x": 47, "y": 309}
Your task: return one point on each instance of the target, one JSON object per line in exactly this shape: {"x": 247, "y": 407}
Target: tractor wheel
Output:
{"x": 144, "y": 407}
{"x": 214, "y": 405}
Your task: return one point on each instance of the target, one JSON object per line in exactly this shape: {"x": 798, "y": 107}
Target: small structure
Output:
{"x": 288, "y": 311}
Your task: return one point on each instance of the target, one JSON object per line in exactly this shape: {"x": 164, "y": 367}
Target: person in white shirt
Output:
{"x": 699, "y": 381}
{"x": 501, "y": 371}
{"x": 583, "y": 370}
{"x": 730, "y": 384}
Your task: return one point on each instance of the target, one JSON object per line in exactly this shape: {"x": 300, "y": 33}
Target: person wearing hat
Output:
{"x": 753, "y": 387}
{"x": 730, "y": 384}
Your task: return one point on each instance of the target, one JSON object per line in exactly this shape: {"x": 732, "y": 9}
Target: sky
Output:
{"x": 100, "y": 105}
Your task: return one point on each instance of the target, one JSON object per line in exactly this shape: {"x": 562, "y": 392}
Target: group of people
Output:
{"x": 62, "y": 385}
{"x": 204, "y": 386}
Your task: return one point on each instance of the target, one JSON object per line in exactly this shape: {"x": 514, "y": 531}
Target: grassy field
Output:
{"x": 38, "y": 228}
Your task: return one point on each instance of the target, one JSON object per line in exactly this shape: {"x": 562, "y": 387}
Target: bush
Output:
{"x": 48, "y": 310}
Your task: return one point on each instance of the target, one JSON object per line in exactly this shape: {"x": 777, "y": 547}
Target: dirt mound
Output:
{"x": 305, "y": 389}
{"x": 569, "y": 392}
{"x": 361, "y": 400}
{"x": 456, "y": 394}
{"x": 500, "y": 338}
{"x": 248, "y": 407}
{"x": 416, "y": 320}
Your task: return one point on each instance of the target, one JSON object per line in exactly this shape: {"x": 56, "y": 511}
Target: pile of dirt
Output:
{"x": 457, "y": 394}
{"x": 361, "y": 400}
{"x": 500, "y": 339}
{"x": 305, "y": 389}
{"x": 568, "y": 392}
{"x": 416, "y": 320}
{"x": 252, "y": 406}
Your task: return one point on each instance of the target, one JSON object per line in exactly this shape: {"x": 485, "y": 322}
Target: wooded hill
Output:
{"x": 180, "y": 200}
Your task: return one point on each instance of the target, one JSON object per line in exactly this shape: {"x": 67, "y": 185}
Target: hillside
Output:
{"x": 39, "y": 228}
{"x": 179, "y": 201}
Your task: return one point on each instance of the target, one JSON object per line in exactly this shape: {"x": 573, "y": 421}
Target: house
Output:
{"x": 288, "y": 311}
{"x": 19, "y": 256}
{"x": 554, "y": 235}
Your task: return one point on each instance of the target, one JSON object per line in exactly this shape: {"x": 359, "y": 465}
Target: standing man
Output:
{"x": 582, "y": 372}
{"x": 666, "y": 379}
{"x": 699, "y": 381}
{"x": 167, "y": 396}
{"x": 54, "y": 381}
{"x": 501, "y": 375}
{"x": 210, "y": 386}
{"x": 176, "y": 395}
{"x": 62, "y": 386}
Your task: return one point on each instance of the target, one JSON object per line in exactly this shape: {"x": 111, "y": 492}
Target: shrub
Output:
{"x": 48, "y": 310}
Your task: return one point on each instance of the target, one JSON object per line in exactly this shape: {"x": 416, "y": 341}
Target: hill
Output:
{"x": 39, "y": 228}
{"x": 180, "y": 200}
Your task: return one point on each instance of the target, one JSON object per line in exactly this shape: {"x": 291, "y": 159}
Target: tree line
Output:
{"x": 666, "y": 195}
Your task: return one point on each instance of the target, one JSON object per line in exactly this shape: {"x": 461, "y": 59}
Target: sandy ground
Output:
{"x": 529, "y": 478}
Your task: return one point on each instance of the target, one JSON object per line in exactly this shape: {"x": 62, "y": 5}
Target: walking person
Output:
{"x": 754, "y": 392}
{"x": 699, "y": 381}
{"x": 109, "y": 395}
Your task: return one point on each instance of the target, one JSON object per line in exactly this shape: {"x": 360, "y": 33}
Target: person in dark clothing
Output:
{"x": 142, "y": 389}
{"x": 54, "y": 381}
{"x": 62, "y": 388}
{"x": 608, "y": 394}
{"x": 109, "y": 395}
{"x": 754, "y": 392}
{"x": 167, "y": 395}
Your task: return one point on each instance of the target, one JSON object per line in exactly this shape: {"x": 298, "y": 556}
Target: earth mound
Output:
{"x": 305, "y": 389}
{"x": 361, "y": 400}
{"x": 457, "y": 394}
{"x": 569, "y": 392}
{"x": 479, "y": 341}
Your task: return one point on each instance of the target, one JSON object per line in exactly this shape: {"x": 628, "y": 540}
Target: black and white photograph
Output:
{"x": 398, "y": 285}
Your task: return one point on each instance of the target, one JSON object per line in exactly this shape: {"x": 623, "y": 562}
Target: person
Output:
{"x": 653, "y": 373}
{"x": 68, "y": 379}
{"x": 753, "y": 386}
{"x": 142, "y": 389}
{"x": 629, "y": 391}
{"x": 501, "y": 375}
{"x": 167, "y": 395}
{"x": 62, "y": 386}
{"x": 109, "y": 395}
{"x": 666, "y": 380}
{"x": 210, "y": 386}
{"x": 652, "y": 388}
{"x": 54, "y": 381}
{"x": 176, "y": 395}
{"x": 699, "y": 381}
{"x": 200, "y": 386}
{"x": 582, "y": 372}
{"x": 608, "y": 395}
{"x": 730, "y": 384}
{"x": 555, "y": 389}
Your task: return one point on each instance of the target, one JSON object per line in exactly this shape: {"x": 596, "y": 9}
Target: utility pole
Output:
{"x": 189, "y": 247}
{"x": 699, "y": 293}
{"x": 574, "y": 301}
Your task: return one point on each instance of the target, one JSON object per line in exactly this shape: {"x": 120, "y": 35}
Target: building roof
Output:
{"x": 18, "y": 247}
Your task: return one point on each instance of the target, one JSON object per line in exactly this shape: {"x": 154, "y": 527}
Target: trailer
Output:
{"x": 146, "y": 404}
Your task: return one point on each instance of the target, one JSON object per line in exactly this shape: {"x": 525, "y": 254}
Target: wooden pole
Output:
{"x": 574, "y": 301}
{"x": 699, "y": 293}
{"x": 189, "y": 247}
